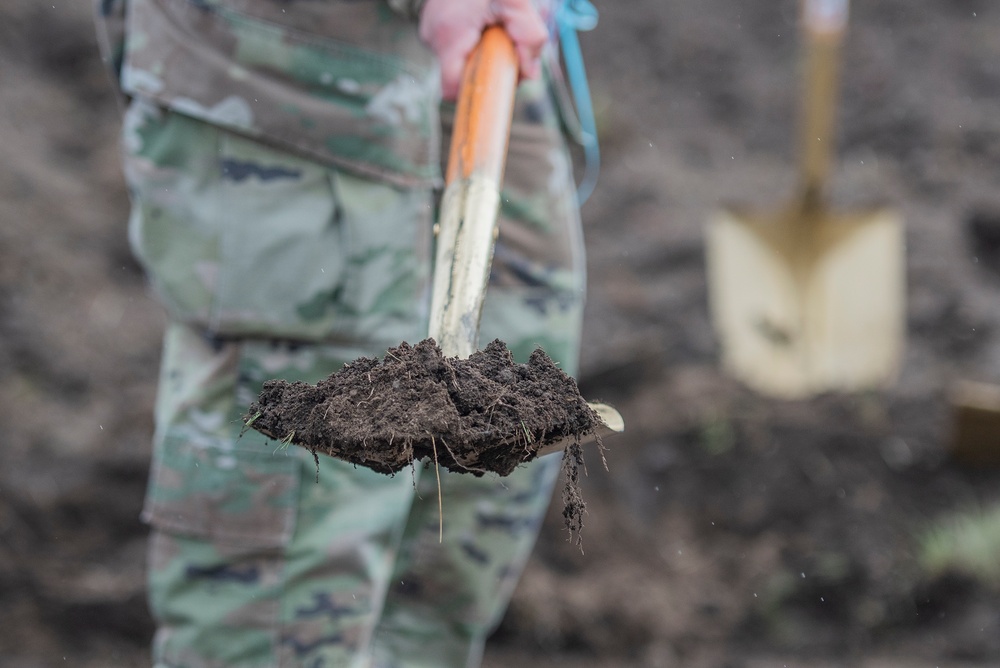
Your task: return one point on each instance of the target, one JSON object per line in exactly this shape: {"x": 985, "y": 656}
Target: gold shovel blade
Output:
{"x": 797, "y": 316}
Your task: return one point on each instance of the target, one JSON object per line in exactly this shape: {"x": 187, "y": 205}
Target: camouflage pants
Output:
{"x": 252, "y": 561}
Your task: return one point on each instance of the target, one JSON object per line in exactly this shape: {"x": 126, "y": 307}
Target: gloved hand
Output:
{"x": 453, "y": 27}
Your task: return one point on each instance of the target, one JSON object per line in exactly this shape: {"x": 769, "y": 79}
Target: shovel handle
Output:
{"x": 470, "y": 204}
{"x": 824, "y": 23}
{"x": 484, "y": 109}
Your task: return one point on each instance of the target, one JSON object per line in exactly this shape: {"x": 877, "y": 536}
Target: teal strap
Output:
{"x": 573, "y": 16}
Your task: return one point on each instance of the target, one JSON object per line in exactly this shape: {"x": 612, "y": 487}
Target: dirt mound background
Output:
{"x": 731, "y": 530}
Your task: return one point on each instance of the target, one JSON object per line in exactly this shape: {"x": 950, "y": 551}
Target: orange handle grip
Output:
{"x": 484, "y": 110}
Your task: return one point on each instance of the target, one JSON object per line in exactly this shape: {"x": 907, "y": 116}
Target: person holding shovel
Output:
{"x": 282, "y": 158}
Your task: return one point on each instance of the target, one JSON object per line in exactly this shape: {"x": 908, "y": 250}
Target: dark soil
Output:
{"x": 484, "y": 414}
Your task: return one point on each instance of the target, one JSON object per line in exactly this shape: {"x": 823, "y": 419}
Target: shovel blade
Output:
{"x": 794, "y": 319}
{"x": 611, "y": 423}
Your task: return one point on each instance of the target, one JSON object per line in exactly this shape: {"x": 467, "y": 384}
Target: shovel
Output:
{"x": 805, "y": 300}
{"x": 345, "y": 419}
{"x": 470, "y": 204}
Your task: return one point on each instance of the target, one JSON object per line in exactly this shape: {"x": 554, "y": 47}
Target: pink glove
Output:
{"x": 453, "y": 27}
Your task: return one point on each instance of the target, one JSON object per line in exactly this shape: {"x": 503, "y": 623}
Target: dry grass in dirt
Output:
{"x": 731, "y": 530}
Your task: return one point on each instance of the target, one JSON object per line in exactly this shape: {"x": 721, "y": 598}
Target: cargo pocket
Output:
{"x": 222, "y": 524}
{"x": 233, "y": 236}
{"x": 282, "y": 162}
{"x": 207, "y": 481}
{"x": 246, "y": 241}
{"x": 235, "y": 498}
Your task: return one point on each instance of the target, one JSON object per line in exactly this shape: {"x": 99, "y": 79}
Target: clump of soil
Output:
{"x": 476, "y": 415}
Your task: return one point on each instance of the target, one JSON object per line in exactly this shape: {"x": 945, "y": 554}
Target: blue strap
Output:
{"x": 573, "y": 16}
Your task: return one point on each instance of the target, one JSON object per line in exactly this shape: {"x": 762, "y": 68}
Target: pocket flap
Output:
{"x": 329, "y": 97}
{"x": 234, "y": 497}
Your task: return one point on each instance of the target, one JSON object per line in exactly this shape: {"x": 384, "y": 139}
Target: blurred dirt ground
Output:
{"x": 732, "y": 530}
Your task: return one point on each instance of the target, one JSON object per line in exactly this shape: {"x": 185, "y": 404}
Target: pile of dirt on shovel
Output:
{"x": 476, "y": 415}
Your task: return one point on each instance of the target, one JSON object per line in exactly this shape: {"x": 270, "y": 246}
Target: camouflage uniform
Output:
{"x": 283, "y": 158}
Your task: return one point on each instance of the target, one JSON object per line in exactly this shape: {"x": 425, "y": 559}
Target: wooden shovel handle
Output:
{"x": 824, "y": 23}
{"x": 484, "y": 110}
